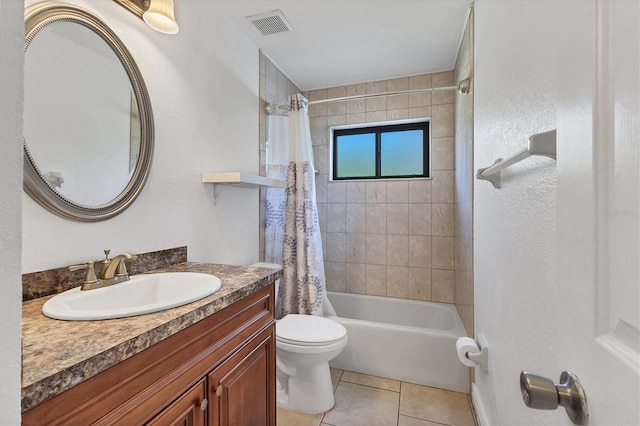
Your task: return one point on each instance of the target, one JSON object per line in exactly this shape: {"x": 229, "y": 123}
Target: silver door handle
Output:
{"x": 541, "y": 393}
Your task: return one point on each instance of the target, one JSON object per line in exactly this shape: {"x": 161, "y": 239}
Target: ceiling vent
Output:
{"x": 270, "y": 23}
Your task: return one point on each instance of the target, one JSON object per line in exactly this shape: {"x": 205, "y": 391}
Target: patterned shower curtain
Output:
{"x": 303, "y": 283}
{"x": 276, "y": 198}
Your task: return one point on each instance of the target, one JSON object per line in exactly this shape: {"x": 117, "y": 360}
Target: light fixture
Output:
{"x": 160, "y": 16}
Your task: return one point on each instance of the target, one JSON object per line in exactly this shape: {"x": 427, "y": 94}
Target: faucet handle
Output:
{"x": 90, "y": 278}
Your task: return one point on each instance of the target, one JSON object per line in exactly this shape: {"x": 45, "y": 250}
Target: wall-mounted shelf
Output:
{"x": 246, "y": 180}
{"x": 241, "y": 179}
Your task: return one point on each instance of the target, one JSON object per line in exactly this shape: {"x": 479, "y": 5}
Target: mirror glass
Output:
{"x": 87, "y": 119}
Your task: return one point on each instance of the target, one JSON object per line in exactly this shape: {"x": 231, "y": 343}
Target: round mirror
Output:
{"x": 88, "y": 126}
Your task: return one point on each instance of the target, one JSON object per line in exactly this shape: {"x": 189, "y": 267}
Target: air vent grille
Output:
{"x": 270, "y": 23}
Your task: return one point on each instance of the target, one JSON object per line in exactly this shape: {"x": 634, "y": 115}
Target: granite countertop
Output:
{"x": 57, "y": 355}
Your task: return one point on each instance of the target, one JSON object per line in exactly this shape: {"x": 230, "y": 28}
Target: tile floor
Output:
{"x": 363, "y": 400}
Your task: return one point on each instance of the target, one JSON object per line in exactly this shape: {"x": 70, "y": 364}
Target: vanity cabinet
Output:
{"x": 220, "y": 371}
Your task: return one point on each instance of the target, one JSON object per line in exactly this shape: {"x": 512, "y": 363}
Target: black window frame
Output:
{"x": 379, "y": 130}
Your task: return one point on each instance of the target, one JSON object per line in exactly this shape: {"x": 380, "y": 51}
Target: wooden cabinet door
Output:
{"x": 187, "y": 410}
{"x": 243, "y": 387}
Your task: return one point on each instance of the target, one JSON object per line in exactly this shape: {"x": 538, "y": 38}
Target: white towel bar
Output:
{"x": 539, "y": 144}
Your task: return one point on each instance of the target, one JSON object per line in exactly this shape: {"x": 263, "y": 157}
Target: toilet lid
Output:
{"x": 309, "y": 329}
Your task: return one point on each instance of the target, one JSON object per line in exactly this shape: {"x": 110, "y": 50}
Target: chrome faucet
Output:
{"x": 113, "y": 271}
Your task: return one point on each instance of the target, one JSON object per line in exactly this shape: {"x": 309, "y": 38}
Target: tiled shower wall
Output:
{"x": 274, "y": 87}
{"x": 395, "y": 237}
{"x": 464, "y": 184}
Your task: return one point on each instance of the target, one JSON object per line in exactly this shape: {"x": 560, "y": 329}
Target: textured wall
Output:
{"x": 11, "y": 65}
{"x": 205, "y": 103}
{"x": 464, "y": 175}
{"x": 515, "y": 227}
{"x": 394, "y": 237}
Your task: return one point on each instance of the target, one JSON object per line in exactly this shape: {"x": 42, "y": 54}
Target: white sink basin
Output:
{"x": 142, "y": 294}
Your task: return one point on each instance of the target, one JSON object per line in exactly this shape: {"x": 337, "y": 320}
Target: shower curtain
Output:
{"x": 276, "y": 198}
{"x": 303, "y": 283}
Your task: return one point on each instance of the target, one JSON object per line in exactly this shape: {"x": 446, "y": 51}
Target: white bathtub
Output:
{"x": 401, "y": 339}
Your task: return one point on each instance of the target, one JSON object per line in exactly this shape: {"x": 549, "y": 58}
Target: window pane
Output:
{"x": 356, "y": 155}
{"x": 401, "y": 153}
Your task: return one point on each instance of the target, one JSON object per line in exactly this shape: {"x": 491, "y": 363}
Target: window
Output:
{"x": 381, "y": 152}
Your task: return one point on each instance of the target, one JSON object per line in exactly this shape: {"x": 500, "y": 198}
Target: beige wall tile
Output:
{"x": 356, "y": 89}
{"x": 443, "y": 79}
{"x": 420, "y": 251}
{"x": 356, "y": 106}
{"x": 420, "y": 191}
{"x": 442, "y": 252}
{"x": 322, "y": 181}
{"x": 355, "y": 248}
{"x": 441, "y": 220}
{"x": 356, "y": 118}
{"x": 376, "y": 249}
{"x": 356, "y": 192}
{"x": 420, "y": 112}
{"x": 376, "y": 104}
{"x": 336, "y": 217}
{"x": 376, "y": 192}
{"x": 335, "y": 247}
{"x": 398, "y": 250}
{"x": 339, "y": 92}
{"x": 374, "y": 87}
{"x": 337, "y": 192}
{"x": 422, "y": 99}
{"x": 442, "y": 154}
{"x": 356, "y": 217}
{"x": 397, "y": 114}
{"x": 451, "y": 408}
{"x": 355, "y": 278}
{"x": 398, "y": 218}
{"x": 321, "y": 158}
{"x": 398, "y": 84}
{"x": 419, "y": 281}
{"x": 442, "y": 285}
{"x": 376, "y": 280}
{"x": 376, "y": 219}
{"x": 397, "y": 102}
{"x": 318, "y": 94}
{"x": 335, "y": 273}
{"x": 398, "y": 191}
{"x": 322, "y": 216}
{"x": 336, "y": 120}
{"x": 317, "y": 110}
{"x": 397, "y": 281}
{"x": 442, "y": 186}
{"x": 376, "y": 116}
{"x": 419, "y": 216}
{"x": 443, "y": 120}
{"x": 422, "y": 81}
{"x": 336, "y": 108}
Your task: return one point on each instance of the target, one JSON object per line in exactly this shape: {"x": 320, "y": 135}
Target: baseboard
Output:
{"x": 481, "y": 413}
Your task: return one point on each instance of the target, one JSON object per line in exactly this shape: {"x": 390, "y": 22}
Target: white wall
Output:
{"x": 11, "y": 60}
{"x": 203, "y": 84}
{"x": 515, "y": 243}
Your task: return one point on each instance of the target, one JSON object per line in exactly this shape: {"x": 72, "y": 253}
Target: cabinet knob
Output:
{"x": 219, "y": 390}
{"x": 203, "y": 404}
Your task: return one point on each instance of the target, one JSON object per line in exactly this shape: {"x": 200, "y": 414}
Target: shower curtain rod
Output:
{"x": 462, "y": 87}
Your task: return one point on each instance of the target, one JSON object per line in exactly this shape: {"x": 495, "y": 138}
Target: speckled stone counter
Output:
{"x": 57, "y": 355}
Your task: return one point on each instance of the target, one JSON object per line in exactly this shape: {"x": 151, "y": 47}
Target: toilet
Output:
{"x": 304, "y": 346}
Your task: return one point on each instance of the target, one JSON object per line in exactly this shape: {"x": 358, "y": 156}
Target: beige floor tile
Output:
{"x": 294, "y": 418}
{"x": 436, "y": 405}
{"x": 412, "y": 421}
{"x": 358, "y": 405}
{"x": 373, "y": 381}
{"x": 336, "y": 374}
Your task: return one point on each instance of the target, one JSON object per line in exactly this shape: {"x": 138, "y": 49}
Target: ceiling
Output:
{"x": 340, "y": 42}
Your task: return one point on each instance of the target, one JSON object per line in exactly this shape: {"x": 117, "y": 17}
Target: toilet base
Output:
{"x": 309, "y": 391}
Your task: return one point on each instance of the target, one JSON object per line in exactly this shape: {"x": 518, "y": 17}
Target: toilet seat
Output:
{"x": 309, "y": 330}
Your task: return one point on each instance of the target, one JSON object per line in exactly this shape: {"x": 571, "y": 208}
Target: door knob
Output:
{"x": 541, "y": 393}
